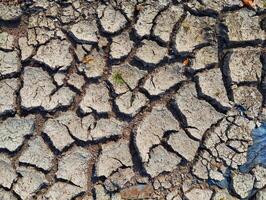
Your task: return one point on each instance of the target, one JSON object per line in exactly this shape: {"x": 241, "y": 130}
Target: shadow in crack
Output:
{"x": 257, "y": 151}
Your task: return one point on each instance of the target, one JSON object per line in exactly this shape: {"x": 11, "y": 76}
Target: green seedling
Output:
{"x": 118, "y": 79}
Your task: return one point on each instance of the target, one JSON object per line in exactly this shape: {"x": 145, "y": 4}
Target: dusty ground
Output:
{"x": 132, "y": 99}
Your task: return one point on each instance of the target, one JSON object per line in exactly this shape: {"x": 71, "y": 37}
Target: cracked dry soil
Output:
{"x": 132, "y": 99}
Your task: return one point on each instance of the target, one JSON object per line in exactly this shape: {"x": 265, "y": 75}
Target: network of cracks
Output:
{"x": 132, "y": 99}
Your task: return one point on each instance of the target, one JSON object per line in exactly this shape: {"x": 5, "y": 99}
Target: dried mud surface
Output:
{"x": 132, "y": 99}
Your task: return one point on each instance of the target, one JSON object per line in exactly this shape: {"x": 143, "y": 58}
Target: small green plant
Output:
{"x": 118, "y": 79}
